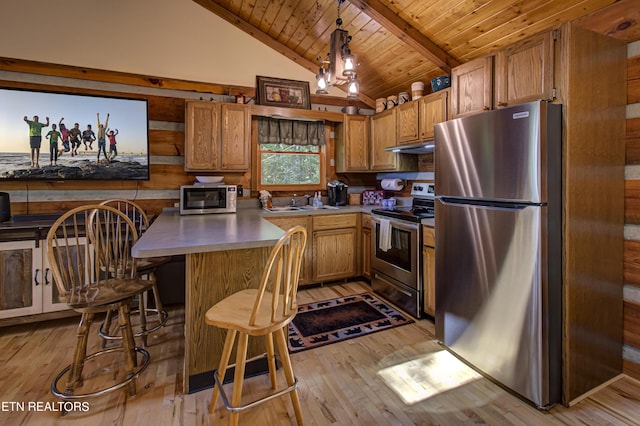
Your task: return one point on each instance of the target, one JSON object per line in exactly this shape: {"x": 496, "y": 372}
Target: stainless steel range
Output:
{"x": 397, "y": 250}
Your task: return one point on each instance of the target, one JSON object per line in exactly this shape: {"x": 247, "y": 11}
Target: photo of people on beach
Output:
{"x": 59, "y": 136}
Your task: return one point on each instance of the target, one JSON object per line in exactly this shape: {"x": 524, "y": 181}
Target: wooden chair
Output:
{"x": 261, "y": 312}
{"x": 89, "y": 252}
{"x": 146, "y": 266}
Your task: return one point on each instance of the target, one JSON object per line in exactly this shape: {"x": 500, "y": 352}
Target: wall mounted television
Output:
{"x": 20, "y": 160}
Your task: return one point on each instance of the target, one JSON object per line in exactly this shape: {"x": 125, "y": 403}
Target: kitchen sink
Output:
{"x": 298, "y": 208}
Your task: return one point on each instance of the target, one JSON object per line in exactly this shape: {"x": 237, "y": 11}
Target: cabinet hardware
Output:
{"x": 35, "y": 277}
{"x": 46, "y": 279}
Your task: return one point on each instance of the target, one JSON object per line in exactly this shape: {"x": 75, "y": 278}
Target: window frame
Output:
{"x": 322, "y": 155}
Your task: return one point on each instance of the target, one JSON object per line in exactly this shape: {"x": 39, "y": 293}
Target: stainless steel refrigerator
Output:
{"x": 498, "y": 251}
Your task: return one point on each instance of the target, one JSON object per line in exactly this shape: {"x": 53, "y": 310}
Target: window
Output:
{"x": 293, "y": 166}
{"x": 290, "y": 154}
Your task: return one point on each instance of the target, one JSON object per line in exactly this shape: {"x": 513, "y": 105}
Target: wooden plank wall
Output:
{"x": 166, "y": 100}
{"x": 631, "y": 351}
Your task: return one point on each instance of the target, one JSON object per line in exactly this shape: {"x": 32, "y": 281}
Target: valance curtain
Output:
{"x": 290, "y": 132}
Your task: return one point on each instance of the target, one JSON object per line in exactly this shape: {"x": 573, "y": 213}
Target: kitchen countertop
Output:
{"x": 172, "y": 234}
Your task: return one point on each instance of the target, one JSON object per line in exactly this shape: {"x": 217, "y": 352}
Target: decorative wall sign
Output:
{"x": 282, "y": 93}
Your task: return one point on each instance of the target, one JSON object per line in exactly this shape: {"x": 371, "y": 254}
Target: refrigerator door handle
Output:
{"x": 487, "y": 204}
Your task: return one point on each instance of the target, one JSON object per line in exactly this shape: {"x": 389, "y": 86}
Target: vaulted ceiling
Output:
{"x": 398, "y": 42}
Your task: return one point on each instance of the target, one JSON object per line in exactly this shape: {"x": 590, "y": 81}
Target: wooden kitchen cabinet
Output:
{"x": 236, "y": 137}
{"x": 383, "y": 135}
{"x": 334, "y": 246}
{"x": 429, "y": 270}
{"x": 366, "y": 246}
{"x": 525, "y": 71}
{"x": 217, "y": 137}
{"x": 472, "y": 87}
{"x": 407, "y": 122}
{"x": 432, "y": 109}
{"x": 289, "y": 222}
{"x": 415, "y": 119}
{"x": 352, "y": 145}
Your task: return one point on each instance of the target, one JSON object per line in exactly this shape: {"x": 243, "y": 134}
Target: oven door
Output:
{"x": 399, "y": 262}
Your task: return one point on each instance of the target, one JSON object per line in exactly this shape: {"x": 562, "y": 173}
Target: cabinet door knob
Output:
{"x": 35, "y": 277}
{"x": 485, "y": 108}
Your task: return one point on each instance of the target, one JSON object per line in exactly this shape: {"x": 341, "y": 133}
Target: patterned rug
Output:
{"x": 330, "y": 321}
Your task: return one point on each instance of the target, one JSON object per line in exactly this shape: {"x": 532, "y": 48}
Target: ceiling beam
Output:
{"x": 406, "y": 32}
{"x": 269, "y": 41}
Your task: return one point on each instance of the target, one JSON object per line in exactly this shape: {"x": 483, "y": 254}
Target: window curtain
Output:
{"x": 290, "y": 132}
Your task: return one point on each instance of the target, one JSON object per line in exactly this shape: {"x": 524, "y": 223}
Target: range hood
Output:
{"x": 425, "y": 147}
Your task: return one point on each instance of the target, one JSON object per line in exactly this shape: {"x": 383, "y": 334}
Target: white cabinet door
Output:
{"x": 21, "y": 278}
{"x": 51, "y": 295}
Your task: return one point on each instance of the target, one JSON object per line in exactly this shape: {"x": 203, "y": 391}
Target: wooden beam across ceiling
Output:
{"x": 269, "y": 41}
{"x": 407, "y": 33}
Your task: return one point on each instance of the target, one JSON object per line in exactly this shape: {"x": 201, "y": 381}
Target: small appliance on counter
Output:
{"x": 204, "y": 198}
{"x": 337, "y": 192}
{"x": 5, "y": 207}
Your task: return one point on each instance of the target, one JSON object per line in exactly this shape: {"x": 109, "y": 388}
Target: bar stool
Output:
{"x": 261, "y": 312}
{"x": 146, "y": 266}
{"x": 89, "y": 252}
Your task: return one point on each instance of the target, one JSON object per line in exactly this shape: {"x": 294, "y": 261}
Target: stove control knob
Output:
{"x": 418, "y": 188}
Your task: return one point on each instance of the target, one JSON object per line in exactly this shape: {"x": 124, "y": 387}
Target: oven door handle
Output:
{"x": 396, "y": 224}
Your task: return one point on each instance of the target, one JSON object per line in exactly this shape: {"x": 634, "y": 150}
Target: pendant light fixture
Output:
{"x": 339, "y": 66}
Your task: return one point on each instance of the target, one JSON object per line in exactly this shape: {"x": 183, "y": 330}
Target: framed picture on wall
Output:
{"x": 282, "y": 93}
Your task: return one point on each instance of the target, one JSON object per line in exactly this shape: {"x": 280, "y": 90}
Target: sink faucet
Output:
{"x": 294, "y": 200}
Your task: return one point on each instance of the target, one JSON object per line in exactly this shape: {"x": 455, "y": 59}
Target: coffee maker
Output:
{"x": 337, "y": 192}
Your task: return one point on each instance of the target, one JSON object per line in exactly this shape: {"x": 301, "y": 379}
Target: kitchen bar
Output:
{"x": 225, "y": 253}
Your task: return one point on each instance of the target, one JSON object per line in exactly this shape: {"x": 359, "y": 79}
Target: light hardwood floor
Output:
{"x": 357, "y": 382}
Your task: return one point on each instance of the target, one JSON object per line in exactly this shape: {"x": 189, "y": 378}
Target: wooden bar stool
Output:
{"x": 89, "y": 252}
{"x": 265, "y": 311}
{"x": 145, "y": 267}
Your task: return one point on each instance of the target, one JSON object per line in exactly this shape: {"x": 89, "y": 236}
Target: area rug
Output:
{"x": 330, "y": 321}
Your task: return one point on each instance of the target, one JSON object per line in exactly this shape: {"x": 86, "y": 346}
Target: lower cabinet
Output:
{"x": 332, "y": 245}
{"x": 428, "y": 270}
{"x": 26, "y": 283}
{"x": 304, "y": 221}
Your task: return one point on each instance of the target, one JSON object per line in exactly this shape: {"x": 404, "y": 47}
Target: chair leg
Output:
{"x": 271, "y": 359}
{"x": 222, "y": 368}
{"x": 82, "y": 334}
{"x": 238, "y": 378}
{"x": 128, "y": 343}
{"x": 106, "y": 326}
{"x": 288, "y": 372}
{"x": 143, "y": 318}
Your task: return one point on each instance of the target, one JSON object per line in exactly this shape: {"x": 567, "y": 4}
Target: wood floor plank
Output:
{"x": 361, "y": 381}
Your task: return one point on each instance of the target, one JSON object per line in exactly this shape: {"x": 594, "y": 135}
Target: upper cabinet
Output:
{"x": 217, "y": 137}
{"x": 524, "y": 71}
{"x": 415, "y": 119}
{"x": 352, "y": 145}
{"x": 383, "y": 134}
{"x": 407, "y": 123}
{"x": 472, "y": 87}
{"x": 432, "y": 109}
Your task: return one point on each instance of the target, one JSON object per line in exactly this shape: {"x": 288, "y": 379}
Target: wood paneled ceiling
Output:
{"x": 398, "y": 42}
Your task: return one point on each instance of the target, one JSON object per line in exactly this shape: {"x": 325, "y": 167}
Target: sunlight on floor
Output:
{"x": 429, "y": 375}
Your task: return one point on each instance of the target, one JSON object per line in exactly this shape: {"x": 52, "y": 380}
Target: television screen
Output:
{"x": 63, "y": 136}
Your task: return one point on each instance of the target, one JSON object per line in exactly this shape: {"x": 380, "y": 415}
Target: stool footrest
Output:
{"x": 229, "y": 407}
{"x": 119, "y": 385}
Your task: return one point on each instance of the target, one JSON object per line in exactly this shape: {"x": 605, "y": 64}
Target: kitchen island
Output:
{"x": 224, "y": 253}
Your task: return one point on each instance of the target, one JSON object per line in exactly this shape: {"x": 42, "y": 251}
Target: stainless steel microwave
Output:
{"x": 205, "y": 199}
